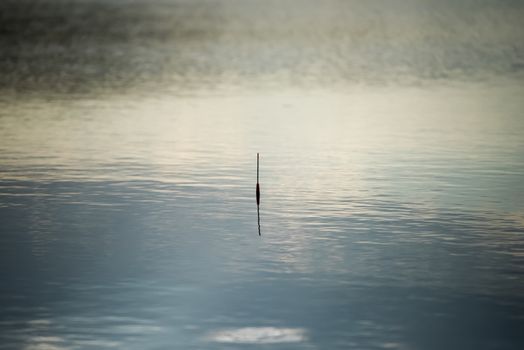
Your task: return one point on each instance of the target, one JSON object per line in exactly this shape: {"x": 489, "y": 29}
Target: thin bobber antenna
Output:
{"x": 258, "y": 197}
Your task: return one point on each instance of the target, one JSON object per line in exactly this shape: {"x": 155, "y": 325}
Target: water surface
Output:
{"x": 391, "y": 142}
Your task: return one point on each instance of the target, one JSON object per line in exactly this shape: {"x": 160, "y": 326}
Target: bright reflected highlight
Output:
{"x": 258, "y": 335}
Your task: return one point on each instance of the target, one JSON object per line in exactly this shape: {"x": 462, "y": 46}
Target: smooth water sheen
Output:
{"x": 391, "y": 142}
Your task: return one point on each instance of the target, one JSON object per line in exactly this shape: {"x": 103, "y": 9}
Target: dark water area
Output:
{"x": 80, "y": 45}
{"x": 391, "y": 141}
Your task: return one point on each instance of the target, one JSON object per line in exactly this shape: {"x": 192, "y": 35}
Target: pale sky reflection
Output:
{"x": 171, "y": 138}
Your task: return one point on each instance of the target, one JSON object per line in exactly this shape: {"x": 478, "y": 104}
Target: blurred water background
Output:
{"x": 391, "y": 136}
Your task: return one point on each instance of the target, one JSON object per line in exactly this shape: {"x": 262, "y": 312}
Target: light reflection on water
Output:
{"x": 260, "y": 335}
{"x": 391, "y": 216}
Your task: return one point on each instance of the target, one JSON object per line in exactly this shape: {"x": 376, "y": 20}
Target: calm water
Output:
{"x": 392, "y": 175}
